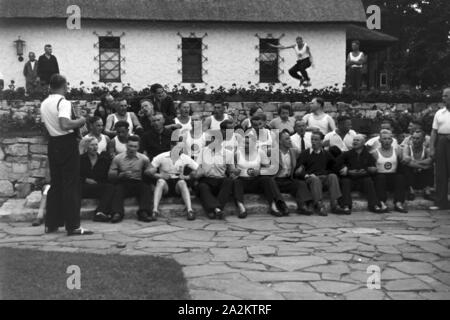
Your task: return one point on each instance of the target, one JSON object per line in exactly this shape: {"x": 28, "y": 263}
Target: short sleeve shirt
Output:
{"x": 441, "y": 122}
{"x": 51, "y": 112}
{"x": 335, "y": 139}
{"x": 136, "y": 165}
{"x": 165, "y": 164}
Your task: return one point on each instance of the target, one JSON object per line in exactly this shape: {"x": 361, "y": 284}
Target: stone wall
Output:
{"x": 23, "y": 160}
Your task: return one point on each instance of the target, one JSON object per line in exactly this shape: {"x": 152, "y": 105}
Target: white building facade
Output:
{"x": 145, "y": 51}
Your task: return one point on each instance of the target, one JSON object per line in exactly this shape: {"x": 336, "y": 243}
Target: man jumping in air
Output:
{"x": 304, "y": 61}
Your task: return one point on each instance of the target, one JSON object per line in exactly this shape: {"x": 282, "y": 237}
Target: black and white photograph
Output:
{"x": 206, "y": 151}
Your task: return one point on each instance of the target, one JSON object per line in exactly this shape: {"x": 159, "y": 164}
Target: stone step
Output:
{"x": 19, "y": 210}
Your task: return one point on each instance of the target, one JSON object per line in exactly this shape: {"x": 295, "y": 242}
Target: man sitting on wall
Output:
{"x": 122, "y": 114}
{"x": 341, "y": 139}
{"x": 163, "y": 103}
{"x": 127, "y": 170}
{"x": 316, "y": 166}
{"x": 375, "y": 143}
{"x": 356, "y": 168}
{"x": 418, "y": 166}
{"x": 170, "y": 169}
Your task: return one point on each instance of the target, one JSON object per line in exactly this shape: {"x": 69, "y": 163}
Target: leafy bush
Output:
{"x": 253, "y": 92}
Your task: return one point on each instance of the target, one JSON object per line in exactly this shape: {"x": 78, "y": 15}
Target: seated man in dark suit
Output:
{"x": 316, "y": 166}
{"x": 356, "y": 167}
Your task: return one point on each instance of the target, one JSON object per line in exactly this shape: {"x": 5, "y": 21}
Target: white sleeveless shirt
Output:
{"x": 215, "y": 125}
{"x": 322, "y": 123}
{"x": 243, "y": 164}
{"x": 119, "y": 146}
{"x": 130, "y": 122}
{"x": 356, "y": 59}
{"x": 301, "y": 53}
{"x": 387, "y": 165}
{"x": 184, "y": 127}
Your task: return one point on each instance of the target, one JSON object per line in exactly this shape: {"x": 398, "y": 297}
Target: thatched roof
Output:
{"x": 193, "y": 10}
{"x": 364, "y": 34}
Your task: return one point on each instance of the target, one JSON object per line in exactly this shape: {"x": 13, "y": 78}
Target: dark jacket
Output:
{"x": 99, "y": 172}
{"x": 318, "y": 164}
{"x": 155, "y": 143}
{"x": 47, "y": 68}
{"x": 354, "y": 161}
{"x": 29, "y": 72}
{"x": 166, "y": 107}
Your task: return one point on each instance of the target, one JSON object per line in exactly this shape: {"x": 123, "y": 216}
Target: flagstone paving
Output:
{"x": 293, "y": 257}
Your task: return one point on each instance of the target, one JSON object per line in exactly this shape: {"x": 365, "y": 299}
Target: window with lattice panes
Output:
{"x": 109, "y": 69}
{"x": 268, "y": 61}
{"x": 192, "y": 60}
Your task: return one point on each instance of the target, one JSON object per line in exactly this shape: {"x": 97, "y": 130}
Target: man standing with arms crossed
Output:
{"x": 440, "y": 152}
{"x": 63, "y": 199}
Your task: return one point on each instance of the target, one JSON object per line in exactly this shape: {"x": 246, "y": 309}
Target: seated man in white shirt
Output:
{"x": 170, "y": 170}
{"x": 301, "y": 134}
{"x": 375, "y": 143}
{"x": 215, "y": 174}
{"x": 341, "y": 139}
{"x": 413, "y": 127}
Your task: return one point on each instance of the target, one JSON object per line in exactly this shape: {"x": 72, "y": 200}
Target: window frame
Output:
{"x": 276, "y": 61}
{"x": 185, "y": 76}
{"x": 119, "y": 61}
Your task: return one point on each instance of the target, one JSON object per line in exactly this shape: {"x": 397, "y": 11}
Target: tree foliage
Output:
{"x": 422, "y": 55}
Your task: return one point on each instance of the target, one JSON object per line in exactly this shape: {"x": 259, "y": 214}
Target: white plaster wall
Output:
{"x": 151, "y": 51}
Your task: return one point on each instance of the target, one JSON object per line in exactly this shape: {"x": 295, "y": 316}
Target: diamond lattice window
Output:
{"x": 109, "y": 59}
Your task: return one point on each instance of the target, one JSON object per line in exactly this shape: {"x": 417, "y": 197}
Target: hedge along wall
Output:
{"x": 23, "y": 160}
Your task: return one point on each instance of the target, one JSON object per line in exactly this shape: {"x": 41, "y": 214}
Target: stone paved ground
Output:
{"x": 293, "y": 257}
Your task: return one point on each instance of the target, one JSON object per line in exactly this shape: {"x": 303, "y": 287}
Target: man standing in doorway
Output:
{"x": 63, "y": 199}
{"x": 440, "y": 151}
{"x": 47, "y": 66}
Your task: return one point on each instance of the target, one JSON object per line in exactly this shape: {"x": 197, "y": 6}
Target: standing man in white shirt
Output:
{"x": 440, "y": 152}
{"x": 64, "y": 198}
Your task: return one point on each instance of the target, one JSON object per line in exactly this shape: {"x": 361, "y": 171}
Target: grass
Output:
{"x": 33, "y": 274}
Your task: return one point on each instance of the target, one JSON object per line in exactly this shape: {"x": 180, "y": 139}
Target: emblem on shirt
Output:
{"x": 388, "y": 166}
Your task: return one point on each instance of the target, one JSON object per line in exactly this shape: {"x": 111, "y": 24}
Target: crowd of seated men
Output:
{"x": 158, "y": 150}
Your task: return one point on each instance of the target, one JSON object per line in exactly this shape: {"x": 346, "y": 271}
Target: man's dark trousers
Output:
{"x": 214, "y": 192}
{"x": 442, "y": 170}
{"x": 133, "y": 188}
{"x": 64, "y": 196}
{"x": 365, "y": 184}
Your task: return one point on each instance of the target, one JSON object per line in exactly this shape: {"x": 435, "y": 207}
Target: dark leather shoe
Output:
{"x": 101, "y": 217}
{"x": 116, "y": 218}
{"x": 144, "y": 216}
{"x": 212, "y": 215}
{"x": 303, "y": 210}
{"x": 376, "y": 210}
{"x": 281, "y": 205}
{"x": 338, "y": 210}
{"x": 276, "y": 213}
{"x": 242, "y": 215}
{"x": 37, "y": 222}
{"x": 320, "y": 210}
{"x": 191, "y": 215}
{"x": 400, "y": 209}
{"x": 79, "y": 232}
{"x": 51, "y": 230}
{"x": 219, "y": 214}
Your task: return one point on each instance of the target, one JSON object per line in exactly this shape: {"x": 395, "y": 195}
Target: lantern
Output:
{"x": 19, "y": 48}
